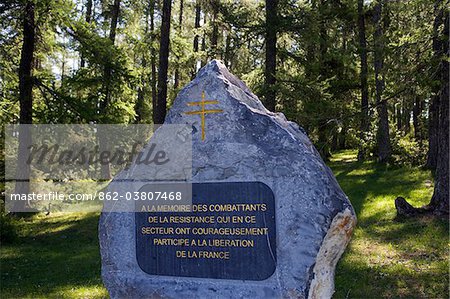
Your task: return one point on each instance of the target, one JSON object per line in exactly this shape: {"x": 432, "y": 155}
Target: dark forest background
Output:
{"x": 371, "y": 75}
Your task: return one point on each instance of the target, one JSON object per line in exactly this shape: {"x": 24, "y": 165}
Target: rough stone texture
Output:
{"x": 245, "y": 143}
{"x": 333, "y": 245}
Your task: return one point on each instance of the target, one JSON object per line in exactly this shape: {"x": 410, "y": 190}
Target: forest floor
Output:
{"x": 57, "y": 256}
{"x": 388, "y": 258}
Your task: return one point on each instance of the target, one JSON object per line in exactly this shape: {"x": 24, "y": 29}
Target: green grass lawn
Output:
{"x": 386, "y": 258}
{"x": 57, "y": 256}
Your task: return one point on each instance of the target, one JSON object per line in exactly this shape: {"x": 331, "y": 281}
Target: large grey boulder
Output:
{"x": 244, "y": 143}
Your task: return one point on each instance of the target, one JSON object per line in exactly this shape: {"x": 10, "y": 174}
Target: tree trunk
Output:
{"x": 323, "y": 145}
{"x": 197, "y": 36}
{"x": 335, "y": 142}
{"x": 180, "y": 16}
{"x": 364, "y": 125}
{"x": 271, "y": 54}
{"x": 197, "y": 24}
{"x": 177, "y": 69}
{"x": 310, "y": 67}
{"x": 105, "y": 168}
{"x": 406, "y": 116}
{"x": 159, "y": 112}
{"x": 433, "y": 119}
{"x": 433, "y": 125}
{"x": 63, "y": 59}
{"x": 227, "y": 54}
{"x": 139, "y": 107}
{"x": 417, "y": 119}
{"x": 439, "y": 202}
{"x": 107, "y": 70}
{"x": 383, "y": 142}
{"x": 88, "y": 18}
{"x": 89, "y": 4}
{"x": 114, "y": 19}
{"x": 202, "y": 60}
{"x": 153, "y": 54}
{"x": 398, "y": 117}
{"x": 26, "y": 103}
{"x": 26, "y": 63}
{"x": 215, "y": 29}
{"x": 323, "y": 39}
{"x": 324, "y": 127}
{"x": 343, "y": 136}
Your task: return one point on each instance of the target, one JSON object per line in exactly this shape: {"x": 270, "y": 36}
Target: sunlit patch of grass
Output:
{"x": 88, "y": 292}
{"x": 55, "y": 256}
{"x": 344, "y": 156}
{"x": 387, "y": 258}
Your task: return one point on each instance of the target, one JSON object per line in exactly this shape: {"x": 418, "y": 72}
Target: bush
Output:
{"x": 407, "y": 150}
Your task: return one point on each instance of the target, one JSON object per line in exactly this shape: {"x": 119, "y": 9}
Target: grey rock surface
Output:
{"x": 245, "y": 142}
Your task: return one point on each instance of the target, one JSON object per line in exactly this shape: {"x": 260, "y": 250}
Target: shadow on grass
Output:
{"x": 51, "y": 254}
{"x": 387, "y": 281}
{"x": 388, "y": 258}
{"x": 363, "y": 181}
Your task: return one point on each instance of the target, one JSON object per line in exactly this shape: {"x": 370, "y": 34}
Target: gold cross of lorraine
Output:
{"x": 203, "y": 112}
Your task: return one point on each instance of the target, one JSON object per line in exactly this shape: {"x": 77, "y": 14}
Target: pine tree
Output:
{"x": 271, "y": 54}
{"x": 159, "y": 112}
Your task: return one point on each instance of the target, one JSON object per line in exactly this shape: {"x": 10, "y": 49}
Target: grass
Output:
{"x": 57, "y": 256}
{"x": 387, "y": 258}
{"x": 54, "y": 256}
